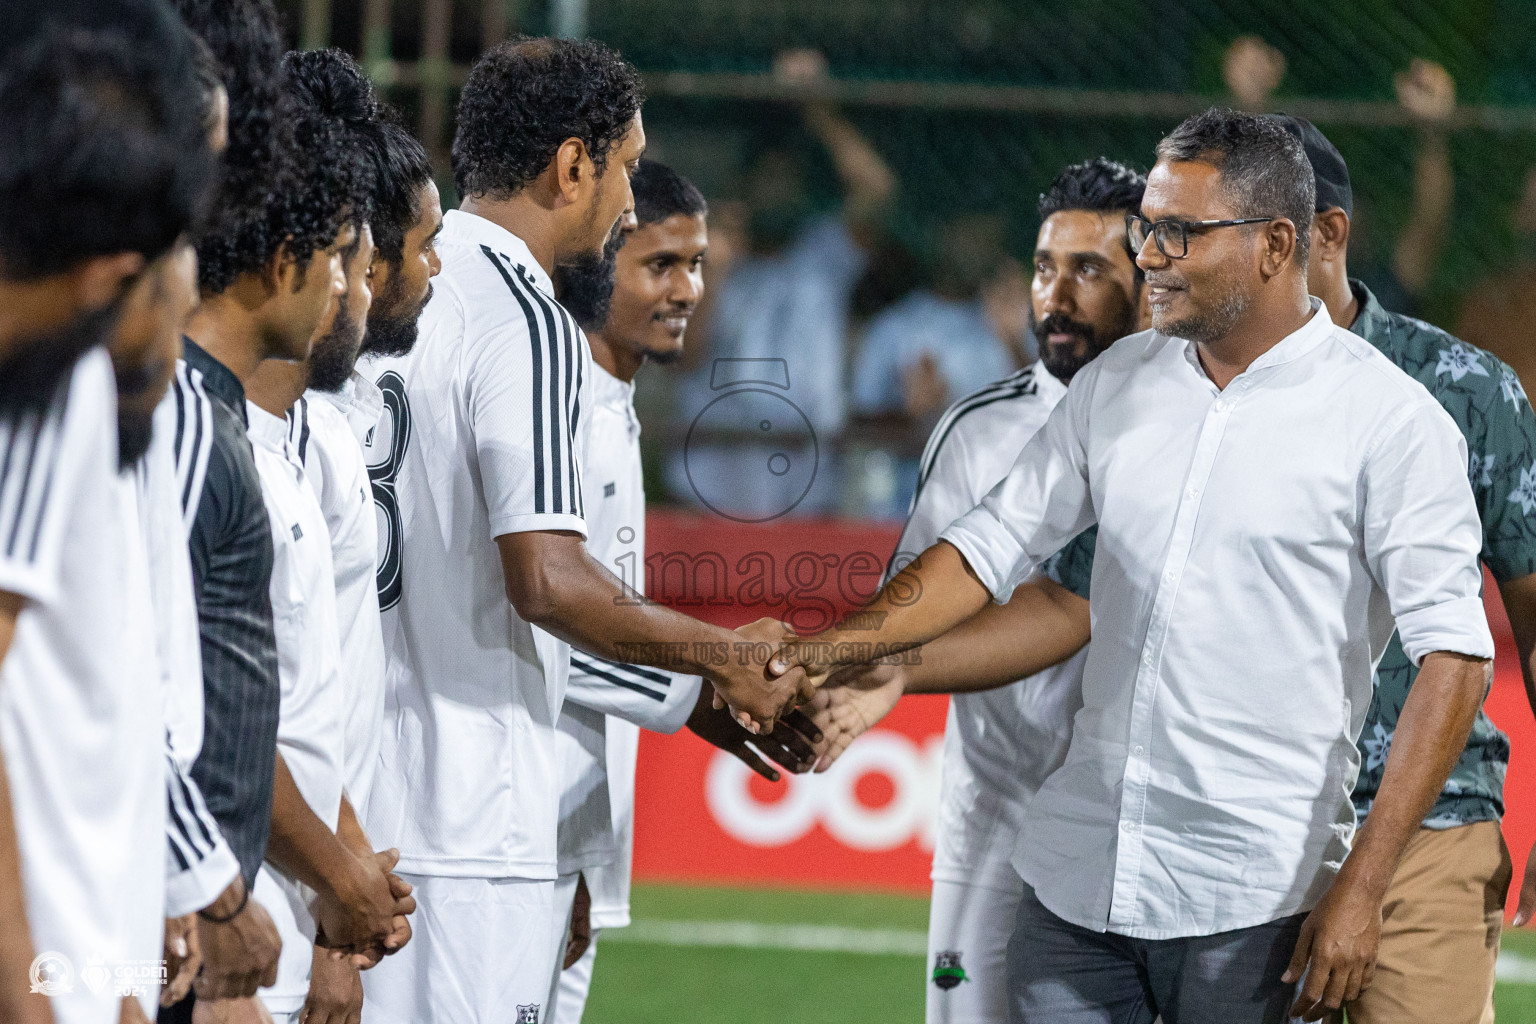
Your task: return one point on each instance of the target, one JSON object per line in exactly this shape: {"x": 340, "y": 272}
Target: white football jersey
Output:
{"x": 606, "y": 704}
{"x": 479, "y": 438}
{"x": 999, "y": 745}
{"x": 328, "y": 430}
{"x": 309, "y": 729}
{"x": 80, "y": 709}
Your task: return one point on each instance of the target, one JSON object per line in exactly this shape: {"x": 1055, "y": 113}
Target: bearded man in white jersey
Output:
{"x": 635, "y": 308}
{"x": 104, "y": 164}
{"x": 487, "y": 578}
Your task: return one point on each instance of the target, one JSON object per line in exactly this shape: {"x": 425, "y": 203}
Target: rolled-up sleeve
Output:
{"x": 1041, "y": 504}
{"x": 1422, "y": 534}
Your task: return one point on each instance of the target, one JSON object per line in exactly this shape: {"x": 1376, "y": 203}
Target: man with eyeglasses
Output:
{"x": 1272, "y": 495}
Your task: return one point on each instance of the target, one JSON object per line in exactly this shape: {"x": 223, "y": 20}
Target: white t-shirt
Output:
{"x": 999, "y": 745}
{"x": 607, "y": 704}
{"x": 80, "y": 711}
{"x": 479, "y": 438}
{"x": 309, "y": 729}
{"x": 329, "y": 429}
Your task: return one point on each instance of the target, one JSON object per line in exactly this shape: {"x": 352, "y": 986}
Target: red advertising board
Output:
{"x": 702, "y": 816}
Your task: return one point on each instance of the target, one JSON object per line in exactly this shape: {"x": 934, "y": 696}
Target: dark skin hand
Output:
{"x": 793, "y": 744}
{"x": 581, "y": 925}
{"x": 335, "y": 991}
{"x": 239, "y": 955}
{"x": 1336, "y": 952}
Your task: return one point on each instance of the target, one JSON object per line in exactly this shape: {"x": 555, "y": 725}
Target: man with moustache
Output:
{"x": 481, "y": 489}
{"x": 635, "y": 308}
{"x": 1272, "y": 496}
{"x": 104, "y": 164}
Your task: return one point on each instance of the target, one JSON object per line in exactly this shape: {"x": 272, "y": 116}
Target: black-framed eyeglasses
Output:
{"x": 1172, "y": 236}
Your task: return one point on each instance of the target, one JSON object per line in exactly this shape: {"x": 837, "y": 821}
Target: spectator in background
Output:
{"x": 786, "y": 298}
{"x": 936, "y": 344}
{"x": 1500, "y": 314}
{"x": 1398, "y": 273}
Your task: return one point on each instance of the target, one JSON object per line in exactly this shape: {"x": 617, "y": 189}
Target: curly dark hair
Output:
{"x": 333, "y": 84}
{"x": 1100, "y": 185}
{"x": 102, "y": 141}
{"x": 290, "y": 191}
{"x": 526, "y": 97}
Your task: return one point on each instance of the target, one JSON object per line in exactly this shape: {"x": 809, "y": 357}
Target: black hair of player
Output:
{"x": 398, "y": 164}
{"x": 1100, "y": 185}
{"x": 526, "y": 97}
{"x": 660, "y": 192}
{"x": 102, "y": 145}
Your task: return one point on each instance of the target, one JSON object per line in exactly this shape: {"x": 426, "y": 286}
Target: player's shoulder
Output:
{"x": 1016, "y": 404}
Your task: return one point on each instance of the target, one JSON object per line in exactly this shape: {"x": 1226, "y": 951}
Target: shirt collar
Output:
{"x": 609, "y": 390}
{"x": 271, "y": 432}
{"x": 358, "y": 397}
{"x": 473, "y": 229}
{"x": 218, "y": 379}
{"x": 1293, "y": 346}
{"x": 1372, "y": 322}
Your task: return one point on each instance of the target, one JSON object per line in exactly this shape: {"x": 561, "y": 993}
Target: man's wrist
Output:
{"x": 231, "y": 903}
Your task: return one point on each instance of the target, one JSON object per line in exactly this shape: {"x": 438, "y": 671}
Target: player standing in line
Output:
{"x": 477, "y": 475}
{"x": 326, "y": 427}
{"x": 999, "y": 746}
{"x": 634, "y": 308}
{"x": 104, "y": 164}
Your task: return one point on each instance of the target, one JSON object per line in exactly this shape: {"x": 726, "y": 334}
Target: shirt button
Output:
{"x": 1194, "y": 492}
{"x": 1140, "y": 749}
{"x": 1220, "y": 406}
{"x": 1169, "y": 577}
{"x": 1127, "y": 826}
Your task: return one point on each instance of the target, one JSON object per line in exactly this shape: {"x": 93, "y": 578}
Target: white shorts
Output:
{"x": 482, "y": 951}
{"x": 575, "y": 984}
{"x": 968, "y": 930}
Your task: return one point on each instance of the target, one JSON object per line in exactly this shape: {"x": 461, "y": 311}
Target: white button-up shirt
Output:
{"x": 1255, "y": 547}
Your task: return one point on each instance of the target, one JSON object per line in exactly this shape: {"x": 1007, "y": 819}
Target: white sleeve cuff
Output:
{"x": 1459, "y": 626}
{"x": 991, "y": 550}
{"x": 199, "y": 885}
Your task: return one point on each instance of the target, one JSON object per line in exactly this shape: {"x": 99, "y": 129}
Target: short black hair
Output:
{"x": 1100, "y": 185}
{"x": 102, "y": 142}
{"x": 395, "y": 163}
{"x": 660, "y": 192}
{"x": 1264, "y": 169}
{"x": 525, "y": 97}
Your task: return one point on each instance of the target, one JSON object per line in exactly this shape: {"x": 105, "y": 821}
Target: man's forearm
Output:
{"x": 16, "y": 950}
{"x": 935, "y": 593}
{"x": 350, "y": 831}
{"x": 1431, "y": 734}
{"x": 559, "y": 587}
{"x": 300, "y": 843}
{"x": 1042, "y": 625}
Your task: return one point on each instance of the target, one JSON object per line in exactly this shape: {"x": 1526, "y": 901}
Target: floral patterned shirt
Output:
{"x": 1485, "y": 398}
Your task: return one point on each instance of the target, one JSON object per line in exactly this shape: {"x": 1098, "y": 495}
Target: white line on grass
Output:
{"x": 1513, "y": 968}
{"x": 752, "y": 935}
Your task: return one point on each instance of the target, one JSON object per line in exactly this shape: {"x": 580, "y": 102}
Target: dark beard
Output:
{"x": 32, "y": 374}
{"x": 332, "y": 359}
{"x": 664, "y": 358}
{"x": 135, "y": 431}
{"x": 585, "y": 288}
{"x": 391, "y": 333}
{"x": 1063, "y": 361}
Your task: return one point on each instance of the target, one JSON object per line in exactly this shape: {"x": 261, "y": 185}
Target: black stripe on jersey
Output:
{"x": 40, "y": 434}
{"x": 581, "y": 376}
{"x": 1015, "y": 385}
{"x": 535, "y": 340}
{"x": 553, "y": 311}
{"x": 298, "y": 427}
{"x": 623, "y": 675}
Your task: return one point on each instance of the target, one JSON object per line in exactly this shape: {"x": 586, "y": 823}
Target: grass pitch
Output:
{"x": 745, "y": 956}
